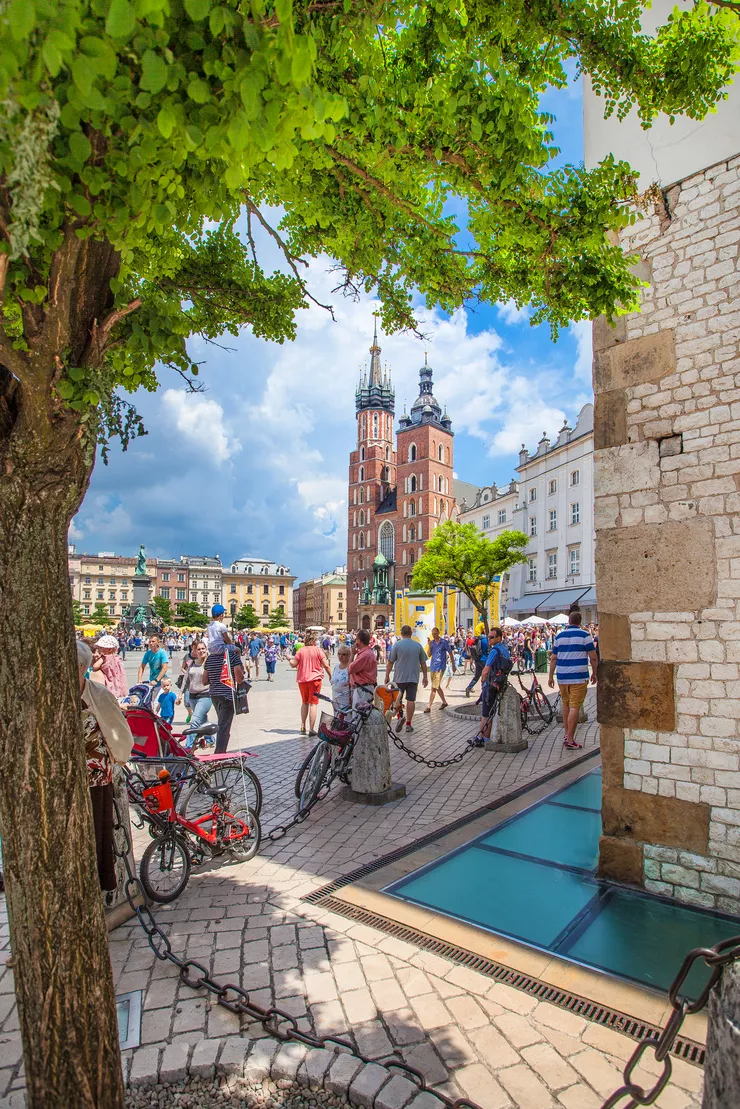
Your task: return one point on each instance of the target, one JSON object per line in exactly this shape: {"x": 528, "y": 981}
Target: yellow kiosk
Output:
{"x": 424, "y": 611}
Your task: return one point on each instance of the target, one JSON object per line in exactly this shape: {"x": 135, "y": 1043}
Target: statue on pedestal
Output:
{"x": 141, "y": 563}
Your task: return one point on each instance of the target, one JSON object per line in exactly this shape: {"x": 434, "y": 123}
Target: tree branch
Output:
{"x": 100, "y": 333}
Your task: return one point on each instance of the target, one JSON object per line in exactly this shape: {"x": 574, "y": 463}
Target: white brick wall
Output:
{"x": 696, "y": 292}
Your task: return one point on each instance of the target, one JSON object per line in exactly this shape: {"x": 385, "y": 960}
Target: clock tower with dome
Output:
{"x": 397, "y": 496}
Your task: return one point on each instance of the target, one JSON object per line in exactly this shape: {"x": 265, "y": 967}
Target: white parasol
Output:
{"x": 510, "y": 622}
{"x": 561, "y": 618}
{"x": 534, "y": 620}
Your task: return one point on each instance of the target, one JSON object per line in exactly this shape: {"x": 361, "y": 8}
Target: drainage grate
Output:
{"x": 683, "y": 1048}
{"x": 315, "y": 898}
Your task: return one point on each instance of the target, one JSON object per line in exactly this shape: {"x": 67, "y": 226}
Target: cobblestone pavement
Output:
{"x": 468, "y": 1035}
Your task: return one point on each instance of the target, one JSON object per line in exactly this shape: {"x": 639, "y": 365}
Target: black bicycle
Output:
{"x": 331, "y": 757}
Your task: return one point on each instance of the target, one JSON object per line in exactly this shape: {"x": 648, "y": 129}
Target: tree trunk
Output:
{"x": 63, "y": 977}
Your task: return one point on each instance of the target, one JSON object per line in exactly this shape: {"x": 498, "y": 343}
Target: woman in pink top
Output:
{"x": 310, "y": 662}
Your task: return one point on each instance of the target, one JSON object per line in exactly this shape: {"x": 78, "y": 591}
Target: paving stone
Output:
{"x": 414, "y": 981}
{"x": 233, "y": 1055}
{"x": 550, "y": 1066}
{"x": 403, "y": 1027}
{"x": 283, "y": 933}
{"x": 349, "y": 976}
{"x": 597, "y": 1071}
{"x": 518, "y": 1030}
{"x": 144, "y": 1067}
{"x": 359, "y": 1006}
{"x": 515, "y": 1000}
{"x": 453, "y": 1047}
{"x": 397, "y": 1093}
{"x": 388, "y": 995}
{"x": 430, "y": 1011}
{"x": 372, "y": 1039}
{"x": 425, "y": 1100}
{"x": 174, "y": 1065}
{"x": 341, "y": 1073}
{"x": 580, "y": 1097}
{"x": 525, "y": 1088}
{"x": 492, "y": 1045}
{"x": 376, "y": 967}
{"x": 559, "y": 1019}
{"x": 469, "y": 980}
{"x": 328, "y": 1018}
{"x": 320, "y": 987}
{"x": 311, "y": 937}
{"x": 260, "y": 1059}
{"x": 313, "y": 1068}
{"x": 466, "y": 1012}
{"x": 189, "y": 1015}
{"x": 203, "y": 1061}
{"x": 479, "y": 1085}
{"x": 367, "y": 1084}
{"x": 424, "y": 1058}
{"x": 287, "y": 1061}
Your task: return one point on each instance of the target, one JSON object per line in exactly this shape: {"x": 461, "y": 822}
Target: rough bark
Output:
{"x": 722, "y": 1069}
{"x": 63, "y": 978}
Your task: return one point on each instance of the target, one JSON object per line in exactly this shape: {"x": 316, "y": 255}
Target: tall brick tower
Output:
{"x": 372, "y": 478}
{"x": 424, "y": 474}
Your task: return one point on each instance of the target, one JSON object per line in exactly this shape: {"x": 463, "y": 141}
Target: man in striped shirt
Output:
{"x": 572, "y": 651}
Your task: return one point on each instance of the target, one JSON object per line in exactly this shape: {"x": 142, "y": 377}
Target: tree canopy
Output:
{"x": 160, "y": 132}
{"x": 188, "y": 612}
{"x": 163, "y": 609}
{"x": 100, "y": 615}
{"x": 462, "y": 557}
{"x": 246, "y": 617}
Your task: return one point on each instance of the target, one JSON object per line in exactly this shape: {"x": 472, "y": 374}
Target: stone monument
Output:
{"x": 140, "y": 613}
{"x": 371, "y": 766}
{"x": 506, "y": 733}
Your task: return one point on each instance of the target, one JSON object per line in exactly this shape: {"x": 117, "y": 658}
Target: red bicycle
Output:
{"x": 228, "y": 827}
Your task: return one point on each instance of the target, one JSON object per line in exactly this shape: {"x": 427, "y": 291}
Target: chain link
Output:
{"x": 435, "y": 764}
{"x": 715, "y": 958}
{"x": 279, "y": 1024}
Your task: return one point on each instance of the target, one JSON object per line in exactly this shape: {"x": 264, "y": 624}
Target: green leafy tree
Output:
{"x": 461, "y": 557}
{"x": 277, "y": 618}
{"x": 77, "y": 615}
{"x": 163, "y": 609}
{"x": 246, "y": 617}
{"x": 141, "y": 144}
{"x": 189, "y": 613}
{"x": 101, "y": 615}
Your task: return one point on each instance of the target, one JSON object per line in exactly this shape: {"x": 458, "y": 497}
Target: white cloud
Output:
{"x": 581, "y": 332}
{"x": 528, "y": 415}
{"x": 511, "y": 314}
{"x": 200, "y": 421}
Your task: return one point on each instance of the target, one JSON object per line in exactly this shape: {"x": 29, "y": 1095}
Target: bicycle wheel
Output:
{"x": 304, "y": 767}
{"x": 315, "y": 774}
{"x": 165, "y": 869}
{"x": 542, "y": 706}
{"x": 245, "y": 790}
{"x": 246, "y": 847}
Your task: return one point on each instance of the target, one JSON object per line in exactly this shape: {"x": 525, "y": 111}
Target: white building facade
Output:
{"x": 555, "y": 509}
{"x": 492, "y": 510}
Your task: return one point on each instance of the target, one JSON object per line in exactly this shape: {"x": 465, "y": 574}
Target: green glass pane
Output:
{"x": 647, "y": 939}
{"x": 585, "y": 793}
{"x": 566, "y": 836}
{"x": 521, "y": 899}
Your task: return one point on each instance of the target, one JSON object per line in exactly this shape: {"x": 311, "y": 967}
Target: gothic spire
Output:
{"x": 376, "y": 375}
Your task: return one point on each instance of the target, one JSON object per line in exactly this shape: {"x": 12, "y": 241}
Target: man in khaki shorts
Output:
{"x": 572, "y": 652}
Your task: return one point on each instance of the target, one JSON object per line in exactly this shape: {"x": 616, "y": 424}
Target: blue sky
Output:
{"x": 258, "y": 463}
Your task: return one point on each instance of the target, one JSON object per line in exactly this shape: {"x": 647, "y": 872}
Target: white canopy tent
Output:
{"x": 560, "y": 619}
{"x": 534, "y": 620}
{"x": 510, "y": 622}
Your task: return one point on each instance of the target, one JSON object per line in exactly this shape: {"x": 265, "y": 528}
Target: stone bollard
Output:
{"x": 371, "y": 766}
{"x": 506, "y": 734}
{"x": 582, "y": 715}
{"x": 722, "y": 1068}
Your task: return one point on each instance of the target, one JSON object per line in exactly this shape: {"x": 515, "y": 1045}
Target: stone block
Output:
{"x": 671, "y": 446}
{"x": 620, "y": 860}
{"x": 287, "y": 1061}
{"x": 371, "y": 760}
{"x": 367, "y": 1084}
{"x": 313, "y": 1068}
{"x": 144, "y": 1067}
{"x": 635, "y": 362}
{"x": 607, "y": 334}
{"x": 260, "y": 1059}
{"x": 396, "y": 1094}
{"x": 341, "y": 1074}
{"x": 636, "y": 695}
{"x": 234, "y": 1055}
{"x": 426, "y": 1100}
{"x": 614, "y": 636}
{"x": 174, "y": 1065}
{"x": 507, "y": 735}
{"x": 203, "y": 1062}
{"x": 610, "y": 419}
{"x": 626, "y": 469}
{"x": 612, "y": 755}
{"x": 651, "y": 819}
{"x": 656, "y": 567}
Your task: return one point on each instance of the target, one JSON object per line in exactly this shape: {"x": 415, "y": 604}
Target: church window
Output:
{"x": 362, "y": 562}
{"x": 412, "y": 484}
{"x": 375, "y": 426}
{"x": 435, "y": 506}
{"x": 442, "y": 509}
{"x": 386, "y": 473}
{"x": 404, "y": 533}
{"x": 405, "y": 512}
{"x": 368, "y": 494}
{"x": 362, "y": 540}
{"x": 412, "y": 508}
{"x": 362, "y": 454}
{"x": 387, "y": 544}
{"x": 411, "y": 558}
{"x": 354, "y": 548}
{"x": 387, "y": 453}
{"x": 362, "y": 473}
{"x": 412, "y": 453}
{"x": 412, "y": 534}
{"x": 354, "y": 519}
{"x": 441, "y": 454}
{"x": 421, "y": 481}
{"x": 403, "y": 558}
{"x": 362, "y": 518}
{"x": 362, "y": 496}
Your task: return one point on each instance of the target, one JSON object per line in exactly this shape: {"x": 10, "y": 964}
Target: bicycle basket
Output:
{"x": 159, "y": 798}
{"x": 334, "y": 729}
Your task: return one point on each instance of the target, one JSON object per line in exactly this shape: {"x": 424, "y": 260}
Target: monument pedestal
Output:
{"x": 506, "y": 734}
{"x": 141, "y": 590}
{"x": 371, "y": 766}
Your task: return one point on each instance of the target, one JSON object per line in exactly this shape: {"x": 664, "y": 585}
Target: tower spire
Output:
{"x": 376, "y": 374}
{"x": 375, "y": 389}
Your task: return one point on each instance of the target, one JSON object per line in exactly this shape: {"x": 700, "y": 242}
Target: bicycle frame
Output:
{"x": 165, "y": 809}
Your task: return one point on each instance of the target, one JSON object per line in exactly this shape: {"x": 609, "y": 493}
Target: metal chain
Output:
{"x": 434, "y": 763}
{"x": 275, "y": 1021}
{"x": 716, "y": 958}
{"x": 282, "y": 829}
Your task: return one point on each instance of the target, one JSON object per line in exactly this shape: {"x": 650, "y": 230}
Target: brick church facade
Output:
{"x": 398, "y": 493}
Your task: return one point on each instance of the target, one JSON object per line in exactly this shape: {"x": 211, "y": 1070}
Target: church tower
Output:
{"x": 372, "y": 478}
{"x": 425, "y": 495}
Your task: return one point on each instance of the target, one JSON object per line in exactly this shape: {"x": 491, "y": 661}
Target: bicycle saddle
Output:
{"x": 217, "y": 791}
{"x": 204, "y": 729}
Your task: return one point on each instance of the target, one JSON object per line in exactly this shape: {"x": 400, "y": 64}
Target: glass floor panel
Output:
{"x": 533, "y": 878}
{"x": 553, "y": 833}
